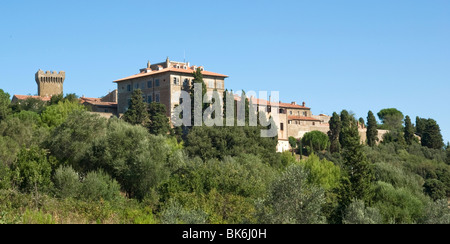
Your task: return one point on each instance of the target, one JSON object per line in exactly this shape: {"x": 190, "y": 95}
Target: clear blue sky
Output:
{"x": 334, "y": 55}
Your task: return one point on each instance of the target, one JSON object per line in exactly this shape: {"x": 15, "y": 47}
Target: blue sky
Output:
{"x": 334, "y": 55}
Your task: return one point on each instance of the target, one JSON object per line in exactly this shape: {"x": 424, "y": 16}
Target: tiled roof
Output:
{"x": 302, "y": 118}
{"x": 25, "y": 97}
{"x": 97, "y": 102}
{"x": 186, "y": 71}
{"x": 265, "y": 102}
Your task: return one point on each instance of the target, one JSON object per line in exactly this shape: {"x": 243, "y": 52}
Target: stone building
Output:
{"x": 160, "y": 81}
{"x": 50, "y": 83}
{"x": 105, "y": 106}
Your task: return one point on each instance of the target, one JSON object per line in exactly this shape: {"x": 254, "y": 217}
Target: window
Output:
{"x": 157, "y": 98}
{"x": 143, "y": 98}
{"x": 211, "y": 84}
{"x": 156, "y": 82}
{"x": 143, "y": 85}
{"x": 129, "y": 102}
{"x": 149, "y": 84}
{"x": 176, "y": 81}
{"x": 281, "y": 126}
{"x": 290, "y": 112}
{"x": 269, "y": 109}
{"x": 129, "y": 88}
{"x": 136, "y": 86}
{"x": 305, "y": 114}
{"x": 149, "y": 99}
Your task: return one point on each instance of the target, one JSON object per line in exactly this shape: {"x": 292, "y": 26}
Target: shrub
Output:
{"x": 358, "y": 213}
{"x": 176, "y": 214}
{"x": 315, "y": 141}
{"x": 322, "y": 173}
{"x": 99, "y": 185}
{"x": 436, "y": 213}
{"x": 292, "y": 201}
{"x": 435, "y": 189}
{"x": 67, "y": 182}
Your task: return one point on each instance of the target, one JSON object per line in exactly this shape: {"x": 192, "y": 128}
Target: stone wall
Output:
{"x": 50, "y": 83}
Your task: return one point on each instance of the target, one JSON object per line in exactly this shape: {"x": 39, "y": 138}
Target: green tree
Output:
{"x": 72, "y": 140}
{"x": 71, "y": 97}
{"x": 409, "y": 131}
{"x": 436, "y": 213}
{"x": 198, "y": 79}
{"x": 333, "y": 134}
{"x": 5, "y": 101}
{"x": 137, "y": 113}
{"x": 372, "y": 131}
{"x": 30, "y": 104}
{"x": 432, "y": 137}
{"x": 159, "y": 123}
{"x": 448, "y": 154}
{"x": 292, "y": 200}
{"x": 55, "y": 99}
{"x": 322, "y": 173}
{"x": 67, "y": 182}
{"x": 391, "y": 118}
{"x": 99, "y": 185}
{"x": 56, "y": 114}
{"x": 420, "y": 126}
{"x": 362, "y": 123}
{"x": 32, "y": 170}
{"x": 358, "y": 213}
{"x": 435, "y": 189}
{"x": 293, "y": 144}
{"x": 315, "y": 141}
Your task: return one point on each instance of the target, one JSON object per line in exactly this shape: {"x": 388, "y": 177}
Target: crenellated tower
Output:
{"x": 50, "y": 83}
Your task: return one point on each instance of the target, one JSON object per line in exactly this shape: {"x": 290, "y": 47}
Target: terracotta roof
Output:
{"x": 302, "y": 118}
{"x": 186, "y": 71}
{"x": 265, "y": 102}
{"x": 25, "y": 97}
{"x": 97, "y": 102}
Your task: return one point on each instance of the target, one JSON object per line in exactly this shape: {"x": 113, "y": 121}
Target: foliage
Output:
{"x": 130, "y": 155}
{"x": 436, "y": 213}
{"x": 292, "y": 200}
{"x": 56, "y": 114}
{"x": 397, "y": 205}
{"x": 391, "y": 118}
{"x": 32, "y": 170}
{"x": 176, "y": 214}
{"x": 333, "y": 134}
{"x": 5, "y": 101}
{"x": 372, "y": 131}
{"x": 431, "y": 135}
{"x": 409, "y": 131}
{"x": 358, "y": 213}
{"x": 67, "y": 182}
{"x": 70, "y": 141}
{"x": 322, "y": 173}
{"x": 30, "y": 104}
{"x": 137, "y": 113}
{"x": 435, "y": 189}
{"x": 159, "y": 123}
{"x": 315, "y": 141}
{"x": 293, "y": 143}
{"x": 99, "y": 186}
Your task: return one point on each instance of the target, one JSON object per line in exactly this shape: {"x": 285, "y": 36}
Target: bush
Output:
{"x": 435, "y": 189}
{"x": 55, "y": 115}
{"x": 397, "y": 206}
{"x": 176, "y": 214}
{"x": 292, "y": 201}
{"x": 32, "y": 170}
{"x": 322, "y": 173}
{"x": 358, "y": 213}
{"x": 436, "y": 213}
{"x": 315, "y": 141}
{"x": 397, "y": 176}
{"x": 5, "y": 176}
{"x": 67, "y": 182}
{"x": 99, "y": 185}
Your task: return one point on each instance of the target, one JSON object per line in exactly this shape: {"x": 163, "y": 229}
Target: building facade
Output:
{"x": 50, "y": 83}
{"x": 160, "y": 82}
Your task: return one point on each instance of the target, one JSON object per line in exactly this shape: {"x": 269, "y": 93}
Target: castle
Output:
{"x": 161, "y": 81}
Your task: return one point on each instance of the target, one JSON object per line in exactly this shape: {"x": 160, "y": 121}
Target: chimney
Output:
{"x": 303, "y": 104}
{"x": 293, "y": 103}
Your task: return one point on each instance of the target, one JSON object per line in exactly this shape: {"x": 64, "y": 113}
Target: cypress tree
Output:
{"x": 432, "y": 137}
{"x": 372, "y": 132}
{"x": 137, "y": 112}
{"x": 409, "y": 131}
{"x": 333, "y": 134}
{"x": 159, "y": 123}
{"x": 420, "y": 126}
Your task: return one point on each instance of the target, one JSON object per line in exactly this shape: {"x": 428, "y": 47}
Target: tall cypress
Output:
{"x": 137, "y": 112}
{"x": 432, "y": 137}
{"x": 333, "y": 134}
{"x": 409, "y": 131}
{"x": 372, "y": 131}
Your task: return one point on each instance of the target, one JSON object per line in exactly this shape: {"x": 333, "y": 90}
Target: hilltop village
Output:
{"x": 159, "y": 82}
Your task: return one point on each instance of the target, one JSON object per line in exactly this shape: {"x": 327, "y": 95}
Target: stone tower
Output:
{"x": 50, "y": 83}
